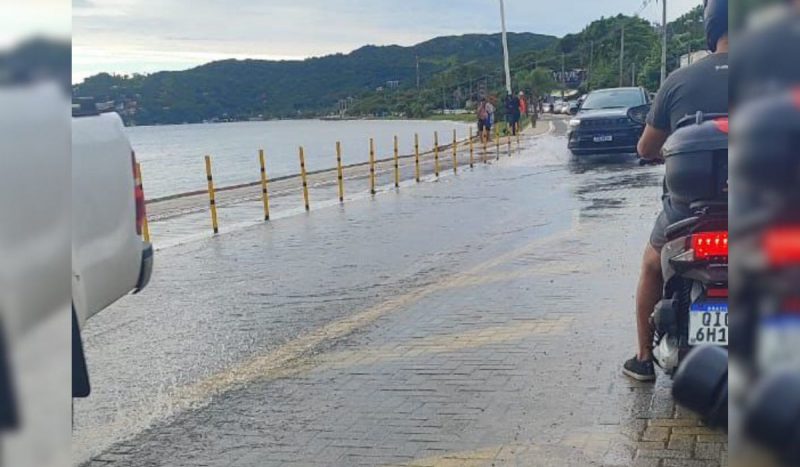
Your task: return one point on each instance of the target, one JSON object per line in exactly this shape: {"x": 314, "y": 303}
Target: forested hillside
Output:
{"x": 382, "y": 80}
{"x": 238, "y": 89}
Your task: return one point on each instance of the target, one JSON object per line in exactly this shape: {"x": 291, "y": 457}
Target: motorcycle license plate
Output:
{"x": 708, "y": 323}
{"x": 603, "y": 138}
{"x": 778, "y": 339}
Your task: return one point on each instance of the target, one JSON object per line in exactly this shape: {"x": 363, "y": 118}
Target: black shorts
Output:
{"x": 484, "y": 124}
{"x": 658, "y": 237}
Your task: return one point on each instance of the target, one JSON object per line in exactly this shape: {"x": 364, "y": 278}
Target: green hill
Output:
{"x": 381, "y": 80}
{"x": 239, "y": 89}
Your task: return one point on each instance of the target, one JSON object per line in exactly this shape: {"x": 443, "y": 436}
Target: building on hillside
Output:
{"x": 688, "y": 59}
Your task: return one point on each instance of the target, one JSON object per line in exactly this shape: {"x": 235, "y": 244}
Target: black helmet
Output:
{"x": 716, "y": 19}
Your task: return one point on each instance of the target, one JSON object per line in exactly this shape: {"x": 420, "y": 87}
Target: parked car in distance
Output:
{"x": 557, "y": 106}
{"x": 574, "y": 106}
{"x": 110, "y": 259}
{"x": 547, "y": 107}
{"x": 602, "y": 125}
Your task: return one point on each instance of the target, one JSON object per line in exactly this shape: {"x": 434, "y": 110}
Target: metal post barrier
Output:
{"x": 212, "y": 203}
{"x": 416, "y": 156}
{"x": 436, "y": 153}
{"x": 471, "y": 150}
{"x": 485, "y": 144}
{"x": 396, "y": 164}
{"x": 455, "y": 152}
{"x": 508, "y": 143}
{"x": 145, "y": 225}
{"x": 264, "y": 183}
{"x": 339, "y": 171}
{"x": 371, "y": 166}
{"x": 305, "y": 180}
{"x": 497, "y": 140}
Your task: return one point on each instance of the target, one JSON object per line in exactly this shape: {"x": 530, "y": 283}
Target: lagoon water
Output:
{"x": 172, "y": 155}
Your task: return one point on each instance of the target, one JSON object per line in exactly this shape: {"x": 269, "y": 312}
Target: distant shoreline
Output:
{"x": 464, "y": 118}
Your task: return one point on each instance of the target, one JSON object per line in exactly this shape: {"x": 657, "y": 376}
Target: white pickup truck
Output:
{"x": 109, "y": 257}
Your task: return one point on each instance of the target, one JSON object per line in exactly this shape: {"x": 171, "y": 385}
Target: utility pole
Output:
{"x": 505, "y": 46}
{"x": 663, "y": 40}
{"x": 621, "y": 54}
{"x": 591, "y": 66}
{"x": 563, "y": 76}
{"x": 633, "y": 74}
{"x": 444, "y": 102}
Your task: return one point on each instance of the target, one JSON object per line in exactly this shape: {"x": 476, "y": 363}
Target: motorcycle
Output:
{"x": 694, "y": 309}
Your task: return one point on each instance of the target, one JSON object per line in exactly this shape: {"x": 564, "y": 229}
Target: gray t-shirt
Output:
{"x": 702, "y": 86}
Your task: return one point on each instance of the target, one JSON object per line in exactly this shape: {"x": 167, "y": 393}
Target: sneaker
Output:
{"x": 640, "y": 371}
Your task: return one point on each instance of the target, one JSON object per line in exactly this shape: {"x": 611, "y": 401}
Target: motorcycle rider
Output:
{"x": 702, "y": 86}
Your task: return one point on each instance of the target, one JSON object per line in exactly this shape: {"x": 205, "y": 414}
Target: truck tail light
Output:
{"x": 709, "y": 245}
{"x": 138, "y": 194}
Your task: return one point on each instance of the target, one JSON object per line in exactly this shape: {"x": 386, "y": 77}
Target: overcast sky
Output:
{"x": 21, "y": 19}
{"x": 127, "y": 36}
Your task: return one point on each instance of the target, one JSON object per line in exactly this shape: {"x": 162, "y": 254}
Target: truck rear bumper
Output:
{"x": 146, "y": 269}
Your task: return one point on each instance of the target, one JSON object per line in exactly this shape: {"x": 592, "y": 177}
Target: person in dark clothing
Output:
{"x": 760, "y": 58}
{"x": 702, "y": 86}
{"x": 512, "y": 112}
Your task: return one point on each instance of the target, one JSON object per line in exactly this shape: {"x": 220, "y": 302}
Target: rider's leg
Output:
{"x": 648, "y": 293}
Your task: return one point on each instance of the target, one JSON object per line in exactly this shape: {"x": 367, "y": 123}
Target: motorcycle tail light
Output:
{"x": 781, "y": 246}
{"x": 710, "y": 245}
{"x": 717, "y": 293}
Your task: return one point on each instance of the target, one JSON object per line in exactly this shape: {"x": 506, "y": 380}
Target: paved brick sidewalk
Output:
{"x": 514, "y": 361}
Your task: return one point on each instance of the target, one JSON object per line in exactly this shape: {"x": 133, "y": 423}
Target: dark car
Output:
{"x": 602, "y": 125}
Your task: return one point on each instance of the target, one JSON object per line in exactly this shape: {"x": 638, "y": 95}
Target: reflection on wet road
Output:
{"x": 479, "y": 319}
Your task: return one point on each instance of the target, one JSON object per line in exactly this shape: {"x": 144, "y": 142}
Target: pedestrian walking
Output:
{"x": 482, "y": 113}
{"x": 512, "y": 112}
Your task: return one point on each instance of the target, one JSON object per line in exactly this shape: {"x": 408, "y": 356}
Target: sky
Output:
{"x": 22, "y": 19}
{"x": 144, "y": 36}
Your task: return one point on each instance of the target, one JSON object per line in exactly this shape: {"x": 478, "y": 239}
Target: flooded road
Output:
{"x": 477, "y": 320}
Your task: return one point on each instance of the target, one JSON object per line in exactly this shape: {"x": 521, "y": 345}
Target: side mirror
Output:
{"x": 639, "y": 113}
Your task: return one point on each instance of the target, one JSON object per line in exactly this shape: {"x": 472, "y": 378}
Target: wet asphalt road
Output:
{"x": 476, "y": 320}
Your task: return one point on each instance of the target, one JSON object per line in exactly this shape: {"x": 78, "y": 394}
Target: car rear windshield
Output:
{"x": 613, "y": 99}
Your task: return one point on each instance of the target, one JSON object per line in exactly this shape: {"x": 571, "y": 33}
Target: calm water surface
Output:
{"x": 172, "y": 155}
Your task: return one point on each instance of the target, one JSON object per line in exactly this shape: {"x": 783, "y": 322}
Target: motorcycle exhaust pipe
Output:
{"x": 701, "y": 385}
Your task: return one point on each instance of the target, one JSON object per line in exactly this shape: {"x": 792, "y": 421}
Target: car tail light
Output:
{"x": 138, "y": 194}
{"x": 781, "y": 246}
{"x": 708, "y": 245}
{"x": 722, "y": 124}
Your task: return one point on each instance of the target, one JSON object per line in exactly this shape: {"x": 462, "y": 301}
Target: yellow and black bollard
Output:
{"x": 455, "y": 152}
{"x": 497, "y": 140}
{"x": 396, "y": 164}
{"x": 305, "y": 179}
{"x": 416, "y": 156}
{"x": 145, "y": 225}
{"x": 436, "y": 153}
{"x": 339, "y": 171}
{"x": 485, "y": 140}
{"x": 212, "y": 203}
{"x": 371, "y": 166}
{"x": 264, "y": 183}
{"x": 471, "y": 150}
{"x": 519, "y": 130}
